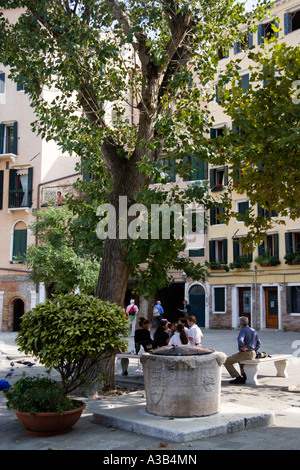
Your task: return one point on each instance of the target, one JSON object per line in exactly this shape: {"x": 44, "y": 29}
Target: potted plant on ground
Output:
{"x": 41, "y": 406}
{"x": 75, "y": 334}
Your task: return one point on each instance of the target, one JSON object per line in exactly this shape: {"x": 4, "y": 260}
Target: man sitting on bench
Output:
{"x": 248, "y": 344}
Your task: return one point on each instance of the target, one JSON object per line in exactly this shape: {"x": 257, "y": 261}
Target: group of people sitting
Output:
{"x": 186, "y": 331}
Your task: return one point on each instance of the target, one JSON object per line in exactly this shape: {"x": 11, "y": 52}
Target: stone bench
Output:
{"x": 251, "y": 367}
{"x": 123, "y": 362}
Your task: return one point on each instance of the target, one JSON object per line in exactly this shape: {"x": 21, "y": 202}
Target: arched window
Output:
{"x": 19, "y": 242}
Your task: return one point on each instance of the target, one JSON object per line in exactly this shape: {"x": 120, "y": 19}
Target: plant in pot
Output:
{"x": 289, "y": 258}
{"x": 241, "y": 262}
{"x": 41, "y": 406}
{"x": 74, "y": 334}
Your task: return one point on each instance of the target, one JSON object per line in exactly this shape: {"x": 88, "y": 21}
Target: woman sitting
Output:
{"x": 161, "y": 336}
{"x": 142, "y": 335}
{"x": 179, "y": 337}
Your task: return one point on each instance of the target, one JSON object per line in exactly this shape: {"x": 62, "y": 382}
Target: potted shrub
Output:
{"x": 216, "y": 265}
{"x": 42, "y": 407}
{"x": 289, "y": 258}
{"x": 266, "y": 260}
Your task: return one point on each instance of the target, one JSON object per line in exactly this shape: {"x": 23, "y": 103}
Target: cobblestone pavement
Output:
{"x": 274, "y": 394}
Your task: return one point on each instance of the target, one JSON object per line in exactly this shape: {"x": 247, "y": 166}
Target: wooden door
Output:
{"x": 271, "y": 306}
{"x": 245, "y": 303}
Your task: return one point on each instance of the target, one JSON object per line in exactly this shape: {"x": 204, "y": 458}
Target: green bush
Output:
{"x": 71, "y": 333}
{"x": 38, "y": 395}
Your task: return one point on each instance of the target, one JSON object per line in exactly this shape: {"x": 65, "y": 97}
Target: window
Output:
{"x": 9, "y": 138}
{"x": 223, "y": 53}
{"x": 216, "y": 215}
{"x": 20, "y": 188}
{"x": 239, "y": 250}
{"x": 217, "y": 132}
{"x": 246, "y": 43}
{"x": 242, "y": 207}
{"x": 19, "y": 242}
{"x": 219, "y": 299}
{"x": 292, "y": 242}
{"x": 267, "y": 31}
{"x": 167, "y": 172}
{"x": 196, "y": 253}
{"x": 218, "y": 178}
{"x": 293, "y": 299}
{"x": 291, "y": 22}
{"x": 198, "y": 169}
{"x": 2, "y": 82}
{"x": 266, "y": 212}
{"x": 218, "y": 251}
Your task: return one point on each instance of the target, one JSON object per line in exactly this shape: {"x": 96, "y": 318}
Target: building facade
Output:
{"x": 32, "y": 171}
{"x": 269, "y": 295}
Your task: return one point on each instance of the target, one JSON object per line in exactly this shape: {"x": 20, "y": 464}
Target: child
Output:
{"x": 195, "y": 333}
{"x": 179, "y": 337}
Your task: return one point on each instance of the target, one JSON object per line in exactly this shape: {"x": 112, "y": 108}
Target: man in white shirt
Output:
{"x": 195, "y": 333}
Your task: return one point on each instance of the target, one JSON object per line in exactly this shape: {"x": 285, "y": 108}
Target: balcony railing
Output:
{"x": 18, "y": 198}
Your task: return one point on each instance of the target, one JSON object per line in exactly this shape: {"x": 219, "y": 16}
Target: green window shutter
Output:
{"x": 260, "y": 210}
{"x": 276, "y": 245}
{"x": 212, "y": 216}
{"x": 213, "y": 133}
{"x": 212, "y": 177}
{"x": 288, "y": 243}
{"x": 225, "y": 175}
{"x": 2, "y": 82}
{"x": 219, "y": 294}
{"x": 260, "y": 34}
{"x": 2, "y": 128}
{"x": 250, "y": 40}
{"x": 205, "y": 170}
{"x": 30, "y": 182}
{"x": 236, "y": 250}
{"x": 245, "y": 82}
{"x": 243, "y": 207}
{"x": 12, "y": 188}
{"x": 15, "y": 142}
{"x": 287, "y": 23}
{"x": 19, "y": 244}
{"x": 289, "y": 299}
{"x": 225, "y": 251}
{"x": 196, "y": 253}
{"x": 261, "y": 249}
{"x": 1, "y": 189}
{"x": 212, "y": 257}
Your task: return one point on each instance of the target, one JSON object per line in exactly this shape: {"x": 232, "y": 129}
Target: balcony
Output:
{"x": 19, "y": 200}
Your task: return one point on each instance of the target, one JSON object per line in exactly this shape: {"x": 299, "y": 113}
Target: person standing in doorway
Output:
{"x": 248, "y": 344}
{"x": 186, "y": 309}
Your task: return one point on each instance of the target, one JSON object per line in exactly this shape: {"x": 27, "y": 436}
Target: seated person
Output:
{"x": 142, "y": 335}
{"x": 161, "y": 335}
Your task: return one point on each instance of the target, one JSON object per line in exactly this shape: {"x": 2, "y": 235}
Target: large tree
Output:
{"x": 155, "y": 56}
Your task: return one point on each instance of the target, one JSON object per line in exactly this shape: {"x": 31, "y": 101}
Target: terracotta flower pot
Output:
{"x": 50, "y": 424}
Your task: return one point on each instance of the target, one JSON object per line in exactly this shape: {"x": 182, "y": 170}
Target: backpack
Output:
{"x": 132, "y": 310}
{"x": 156, "y": 312}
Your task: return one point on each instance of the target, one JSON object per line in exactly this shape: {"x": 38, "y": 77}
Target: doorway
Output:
{"x": 171, "y": 300}
{"x": 245, "y": 303}
{"x": 271, "y": 307}
{"x": 18, "y": 312}
{"x": 197, "y": 303}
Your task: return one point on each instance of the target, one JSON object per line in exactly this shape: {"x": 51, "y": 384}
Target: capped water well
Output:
{"x": 182, "y": 381}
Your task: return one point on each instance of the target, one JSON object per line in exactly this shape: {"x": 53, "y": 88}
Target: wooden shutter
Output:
{"x": 2, "y": 82}
{"x": 213, "y": 133}
{"x": 30, "y": 187}
{"x": 15, "y": 143}
{"x": 276, "y": 245}
{"x": 225, "y": 175}
{"x": 245, "y": 82}
{"x": 225, "y": 251}
{"x": 12, "y": 188}
{"x": 289, "y": 299}
{"x": 213, "y": 216}
{"x": 19, "y": 244}
{"x": 212, "y": 255}
{"x": 212, "y": 177}
{"x": 219, "y": 295}
{"x": 1, "y": 189}
{"x": 2, "y": 129}
{"x": 236, "y": 250}
{"x": 287, "y": 23}
{"x": 260, "y": 34}
{"x": 250, "y": 40}
{"x": 288, "y": 243}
